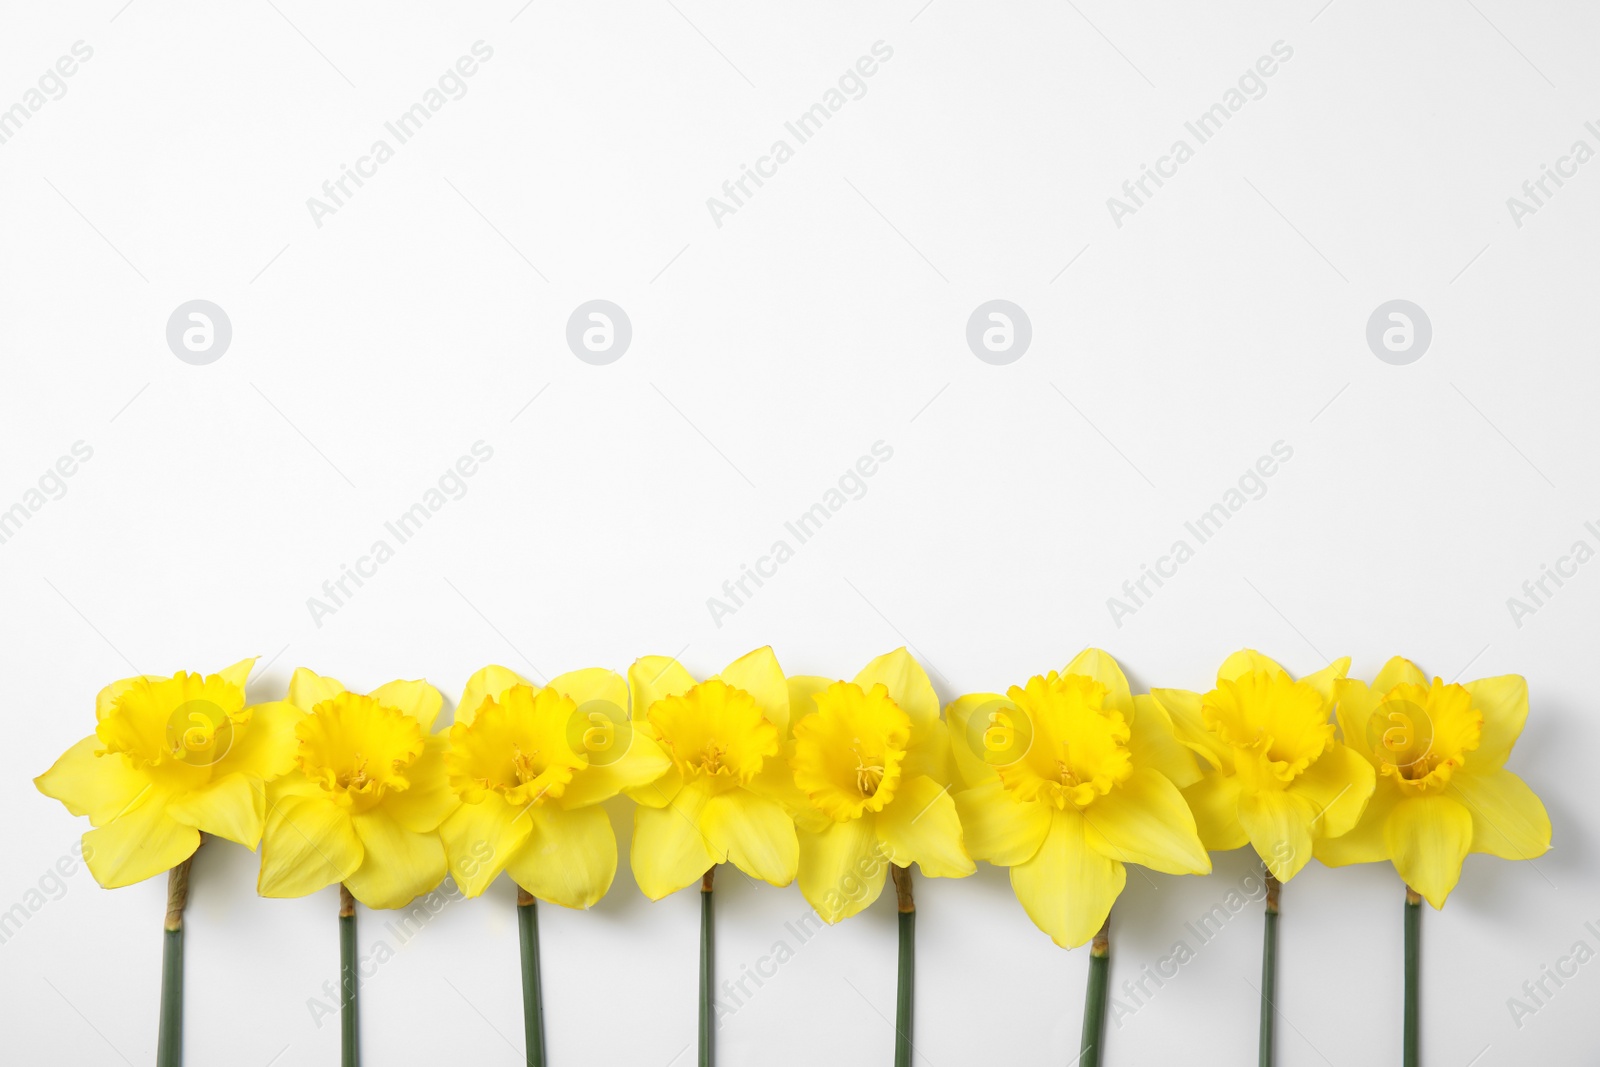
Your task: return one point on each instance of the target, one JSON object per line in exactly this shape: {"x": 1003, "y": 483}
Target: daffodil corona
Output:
{"x": 363, "y": 806}
{"x": 1068, "y": 779}
{"x": 1276, "y": 777}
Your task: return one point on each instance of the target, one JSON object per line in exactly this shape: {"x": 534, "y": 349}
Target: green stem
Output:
{"x": 349, "y": 1019}
{"x": 532, "y": 997}
{"x": 908, "y": 966}
{"x": 1269, "y": 969}
{"x": 169, "y": 1039}
{"x": 1409, "y": 1057}
{"x": 1094, "y": 1001}
{"x": 705, "y": 968}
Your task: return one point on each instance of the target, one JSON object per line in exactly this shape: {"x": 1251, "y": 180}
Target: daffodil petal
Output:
{"x": 1508, "y": 819}
{"x": 998, "y": 828}
{"x": 1214, "y": 803}
{"x": 1067, "y": 888}
{"x": 416, "y": 698}
{"x": 1504, "y": 704}
{"x": 658, "y": 792}
{"x": 239, "y": 673}
{"x": 1154, "y": 743}
{"x": 1245, "y": 661}
{"x": 1353, "y": 709}
{"x": 570, "y": 858}
{"x": 1398, "y": 671}
{"x": 480, "y": 840}
{"x": 641, "y": 762}
{"x": 264, "y": 747}
{"x": 920, "y": 825}
{"x": 429, "y": 799}
{"x": 758, "y": 674}
{"x": 966, "y": 752}
{"x": 307, "y": 688}
{"x": 907, "y": 682}
{"x": 1183, "y": 708}
{"x": 803, "y": 690}
{"x": 485, "y": 682}
{"x": 101, "y": 787}
{"x": 652, "y": 678}
{"x": 309, "y": 843}
{"x": 928, "y": 752}
{"x": 1145, "y": 821}
{"x": 1279, "y": 826}
{"x": 1428, "y": 838}
{"x": 143, "y": 842}
{"x": 593, "y": 683}
{"x": 1338, "y": 785}
{"x": 756, "y": 834}
{"x": 1327, "y": 678}
{"x": 233, "y": 806}
{"x": 842, "y": 868}
{"x": 669, "y": 850}
{"x": 1100, "y": 666}
{"x": 1366, "y": 842}
{"x": 398, "y": 865}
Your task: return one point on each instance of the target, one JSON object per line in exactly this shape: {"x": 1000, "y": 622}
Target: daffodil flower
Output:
{"x": 363, "y": 806}
{"x": 1066, "y": 781}
{"x": 1439, "y": 752}
{"x": 1277, "y": 778}
{"x": 873, "y": 762}
{"x": 169, "y": 758}
{"x": 723, "y": 797}
{"x": 530, "y": 766}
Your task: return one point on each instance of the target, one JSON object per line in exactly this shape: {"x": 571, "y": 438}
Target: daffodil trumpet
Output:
{"x": 1269, "y": 968}
{"x": 349, "y": 979}
{"x": 1095, "y": 997}
{"x": 904, "y": 990}
{"x": 169, "y": 1039}
{"x": 532, "y": 993}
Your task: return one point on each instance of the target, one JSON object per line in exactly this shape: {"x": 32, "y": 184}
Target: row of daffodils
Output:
{"x": 1065, "y": 779}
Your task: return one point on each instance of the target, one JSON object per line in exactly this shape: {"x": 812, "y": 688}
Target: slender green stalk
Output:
{"x": 1269, "y": 969}
{"x": 349, "y": 1020}
{"x": 908, "y": 966}
{"x": 169, "y": 1039}
{"x": 1409, "y": 1057}
{"x": 1094, "y": 1001}
{"x": 706, "y": 958}
{"x": 532, "y": 996}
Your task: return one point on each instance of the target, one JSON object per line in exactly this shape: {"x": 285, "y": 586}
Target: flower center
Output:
{"x": 1421, "y": 734}
{"x": 1079, "y": 748}
{"x": 517, "y": 746}
{"x": 716, "y": 731}
{"x": 847, "y": 756}
{"x": 1276, "y": 726}
{"x": 358, "y": 749}
{"x": 188, "y": 720}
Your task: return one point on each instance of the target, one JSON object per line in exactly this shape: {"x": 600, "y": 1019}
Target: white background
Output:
{"x": 768, "y": 354}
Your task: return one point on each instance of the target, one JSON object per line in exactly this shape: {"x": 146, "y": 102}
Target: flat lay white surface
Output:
{"x": 1187, "y": 312}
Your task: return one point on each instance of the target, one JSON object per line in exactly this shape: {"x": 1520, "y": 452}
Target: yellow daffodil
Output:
{"x": 873, "y": 762}
{"x": 363, "y": 805}
{"x": 169, "y": 758}
{"x": 1277, "y": 777}
{"x": 530, "y": 766}
{"x": 723, "y": 797}
{"x": 1066, "y": 780}
{"x": 1442, "y": 788}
